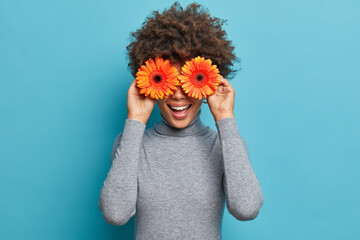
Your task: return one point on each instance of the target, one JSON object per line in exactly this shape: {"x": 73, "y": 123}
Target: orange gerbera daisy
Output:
{"x": 157, "y": 78}
{"x": 199, "y": 77}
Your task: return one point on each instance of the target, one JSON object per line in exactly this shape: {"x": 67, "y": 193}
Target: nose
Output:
{"x": 178, "y": 93}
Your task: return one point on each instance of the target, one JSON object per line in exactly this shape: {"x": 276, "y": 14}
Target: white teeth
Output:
{"x": 179, "y": 108}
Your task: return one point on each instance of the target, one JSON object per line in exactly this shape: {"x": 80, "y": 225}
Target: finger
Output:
{"x": 224, "y": 81}
{"x": 220, "y": 79}
{"x": 222, "y": 84}
{"x": 134, "y": 89}
{"x": 133, "y": 82}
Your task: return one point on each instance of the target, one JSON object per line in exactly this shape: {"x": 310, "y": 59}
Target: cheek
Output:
{"x": 198, "y": 104}
{"x": 161, "y": 104}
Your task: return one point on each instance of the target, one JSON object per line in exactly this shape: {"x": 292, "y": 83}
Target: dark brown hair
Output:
{"x": 179, "y": 35}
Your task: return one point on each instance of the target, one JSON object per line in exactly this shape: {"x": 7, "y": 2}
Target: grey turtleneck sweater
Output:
{"x": 176, "y": 180}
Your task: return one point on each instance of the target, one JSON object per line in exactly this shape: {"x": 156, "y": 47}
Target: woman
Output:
{"x": 175, "y": 176}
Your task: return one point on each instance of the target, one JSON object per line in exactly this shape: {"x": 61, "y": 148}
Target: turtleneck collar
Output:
{"x": 165, "y": 128}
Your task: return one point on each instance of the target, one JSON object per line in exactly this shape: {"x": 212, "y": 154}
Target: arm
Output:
{"x": 242, "y": 190}
{"x": 118, "y": 195}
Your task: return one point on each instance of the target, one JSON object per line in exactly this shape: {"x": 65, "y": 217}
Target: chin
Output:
{"x": 180, "y": 123}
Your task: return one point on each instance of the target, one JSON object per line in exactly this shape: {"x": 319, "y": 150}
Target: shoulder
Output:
{"x": 209, "y": 137}
{"x": 149, "y": 133}
{"x": 211, "y": 132}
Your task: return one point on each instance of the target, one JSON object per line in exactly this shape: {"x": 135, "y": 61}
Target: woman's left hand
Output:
{"x": 221, "y": 103}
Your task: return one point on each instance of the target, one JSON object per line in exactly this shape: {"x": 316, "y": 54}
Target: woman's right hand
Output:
{"x": 138, "y": 105}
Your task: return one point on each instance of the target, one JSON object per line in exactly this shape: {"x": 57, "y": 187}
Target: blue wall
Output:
{"x": 63, "y": 85}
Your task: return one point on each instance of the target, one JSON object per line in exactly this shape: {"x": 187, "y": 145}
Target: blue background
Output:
{"x": 64, "y": 80}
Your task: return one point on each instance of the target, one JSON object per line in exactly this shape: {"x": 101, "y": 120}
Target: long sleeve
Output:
{"x": 242, "y": 189}
{"x": 118, "y": 194}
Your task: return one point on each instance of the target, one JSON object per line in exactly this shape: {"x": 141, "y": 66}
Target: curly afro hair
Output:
{"x": 179, "y": 35}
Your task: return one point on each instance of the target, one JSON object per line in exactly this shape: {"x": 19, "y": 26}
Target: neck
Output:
{"x": 195, "y": 127}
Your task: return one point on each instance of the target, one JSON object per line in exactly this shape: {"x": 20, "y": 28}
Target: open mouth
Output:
{"x": 180, "y": 112}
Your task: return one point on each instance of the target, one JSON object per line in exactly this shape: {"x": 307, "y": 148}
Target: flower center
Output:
{"x": 157, "y": 78}
{"x": 199, "y": 77}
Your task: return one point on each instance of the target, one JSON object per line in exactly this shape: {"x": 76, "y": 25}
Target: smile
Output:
{"x": 180, "y": 111}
